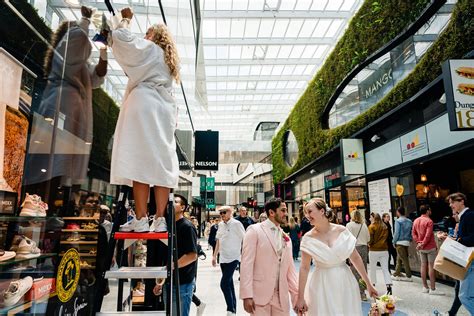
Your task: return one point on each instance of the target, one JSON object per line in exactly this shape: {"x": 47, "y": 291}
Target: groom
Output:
{"x": 267, "y": 272}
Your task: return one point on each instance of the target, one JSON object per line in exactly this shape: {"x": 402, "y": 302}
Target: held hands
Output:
{"x": 249, "y": 305}
{"x": 127, "y": 13}
{"x": 301, "y": 308}
{"x": 372, "y": 291}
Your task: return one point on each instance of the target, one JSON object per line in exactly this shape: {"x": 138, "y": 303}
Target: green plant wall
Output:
{"x": 375, "y": 24}
{"x": 27, "y": 47}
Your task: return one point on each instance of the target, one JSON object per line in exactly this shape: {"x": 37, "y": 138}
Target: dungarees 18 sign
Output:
{"x": 458, "y": 76}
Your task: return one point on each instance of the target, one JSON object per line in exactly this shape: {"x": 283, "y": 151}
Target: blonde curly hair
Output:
{"x": 163, "y": 38}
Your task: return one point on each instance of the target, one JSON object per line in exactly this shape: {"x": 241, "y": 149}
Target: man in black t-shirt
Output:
{"x": 187, "y": 253}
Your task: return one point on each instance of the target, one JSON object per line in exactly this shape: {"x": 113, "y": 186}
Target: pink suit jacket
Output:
{"x": 259, "y": 264}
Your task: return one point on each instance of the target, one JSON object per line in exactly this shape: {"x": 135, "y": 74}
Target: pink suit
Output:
{"x": 258, "y": 271}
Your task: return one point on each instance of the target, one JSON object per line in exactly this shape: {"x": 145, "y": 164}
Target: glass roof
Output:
{"x": 260, "y": 55}
{"x": 257, "y": 55}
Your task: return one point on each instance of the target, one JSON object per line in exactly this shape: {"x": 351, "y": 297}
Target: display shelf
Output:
{"x": 86, "y": 255}
{"x": 35, "y": 273}
{"x": 20, "y": 307}
{"x": 80, "y": 230}
{"x": 79, "y": 218}
{"x": 4, "y": 218}
{"x": 14, "y": 261}
{"x": 78, "y": 242}
{"x": 88, "y": 268}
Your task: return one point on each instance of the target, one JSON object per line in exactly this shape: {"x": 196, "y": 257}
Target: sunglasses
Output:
{"x": 222, "y": 212}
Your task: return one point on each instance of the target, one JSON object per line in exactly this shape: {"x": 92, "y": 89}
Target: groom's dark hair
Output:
{"x": 272, "y": 204}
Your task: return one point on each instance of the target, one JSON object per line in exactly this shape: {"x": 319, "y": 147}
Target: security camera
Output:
{"x": 375, "y": 138}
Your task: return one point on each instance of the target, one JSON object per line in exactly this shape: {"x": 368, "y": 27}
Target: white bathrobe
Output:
{"x": 144, "y": 148}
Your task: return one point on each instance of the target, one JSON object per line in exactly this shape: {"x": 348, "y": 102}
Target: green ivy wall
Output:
{"x": 375, "y": 24}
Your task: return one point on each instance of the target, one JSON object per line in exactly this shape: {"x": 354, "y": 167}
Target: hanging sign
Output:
{"x": 458, "y": 76}
{"x": 352, "y": 151}
{"x": 206, "y": 150}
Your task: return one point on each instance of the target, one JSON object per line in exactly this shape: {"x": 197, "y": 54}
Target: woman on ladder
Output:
{"x": 144, "y": 149}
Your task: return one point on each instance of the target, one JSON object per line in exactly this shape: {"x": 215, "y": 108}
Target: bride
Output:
{"x": 332, "y": 289}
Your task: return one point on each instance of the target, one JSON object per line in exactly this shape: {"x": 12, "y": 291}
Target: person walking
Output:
{"x": 294, "y": 232}
{"x": 359, "y": 229}
{"x": 212, "y": 234}
{"x": 268, "y": 275}
{"x": 244, "y": 218}
{"x": 392, "y": 252}
{"x": 332, "y": 289}
{"x": 378, "y": 250}
{"x": 229, "y": 236}
{"x": 457, "y": 202}
{"x": 425, "y": 244}
{"x": 401, "y": 240}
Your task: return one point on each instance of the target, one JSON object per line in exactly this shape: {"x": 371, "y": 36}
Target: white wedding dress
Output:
{"x": 332, "y": 288}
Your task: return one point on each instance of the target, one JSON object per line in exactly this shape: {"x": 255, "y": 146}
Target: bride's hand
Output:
{"x": 300, "y": 307}
{"x": 372, "y": 291}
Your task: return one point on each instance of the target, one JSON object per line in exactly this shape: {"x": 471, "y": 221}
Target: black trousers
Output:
{"x": 456, "y": 303}
{"x": 227, "y": 285}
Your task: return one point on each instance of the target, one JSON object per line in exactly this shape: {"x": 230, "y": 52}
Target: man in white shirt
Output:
{"x": 229, "y": 237}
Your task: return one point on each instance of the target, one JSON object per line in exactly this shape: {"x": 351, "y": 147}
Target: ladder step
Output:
{"x": 137, "y": 273}
{"x": 132, "y": 313}
{"x": 132, "y": 235}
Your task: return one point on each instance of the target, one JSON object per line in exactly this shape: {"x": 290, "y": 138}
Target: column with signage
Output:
{"x": 210, "y": 187}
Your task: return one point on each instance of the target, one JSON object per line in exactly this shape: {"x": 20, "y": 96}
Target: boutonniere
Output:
{"x": 285, "y": 237}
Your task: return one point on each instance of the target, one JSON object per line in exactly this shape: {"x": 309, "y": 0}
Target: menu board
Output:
{"x": 379, "y": 196}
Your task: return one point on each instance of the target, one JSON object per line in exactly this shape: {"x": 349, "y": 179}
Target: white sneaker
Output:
{"x": 16, "y": 290}
{"x": 436, "y": 292}
{"x": 6, "y": 255}
{"x": 135, "y": 225}
{"x": 425, "y": 290}
{"x": 159, "y": 225}
{"x": 27, "y": 249}
{"x": 231, "y": 314}
{"x": 406, "y": 279}
{"x": 33, "y": 206}
{"x": 200, "y": 309}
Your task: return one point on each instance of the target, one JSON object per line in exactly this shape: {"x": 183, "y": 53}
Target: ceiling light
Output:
{"x": 293, "y": 182}
{"x": 423, "y": 178}
{"x": 43, "y": 170}
{"x": 312, "y": 171}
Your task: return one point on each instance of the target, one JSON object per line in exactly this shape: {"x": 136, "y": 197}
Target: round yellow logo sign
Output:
{"x": 68, "y": 274}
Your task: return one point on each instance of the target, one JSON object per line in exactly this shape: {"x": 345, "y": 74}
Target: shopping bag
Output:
{"x": 449, "y": 268}
{"x": 456, "y": 252}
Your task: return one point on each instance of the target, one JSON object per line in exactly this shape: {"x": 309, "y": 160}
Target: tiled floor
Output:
{"x": 412, "y": 301}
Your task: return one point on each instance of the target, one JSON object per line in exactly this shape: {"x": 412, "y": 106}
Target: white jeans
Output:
{"x": 382, "y": 257}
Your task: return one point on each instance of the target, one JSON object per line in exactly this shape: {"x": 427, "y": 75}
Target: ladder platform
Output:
{"x": 137, "y": 273}
{"x": 132, "y": 313}
{"x": 133, "y": 235}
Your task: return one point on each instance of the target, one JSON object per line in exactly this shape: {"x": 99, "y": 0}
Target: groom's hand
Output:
{"x": 214, "y": 261}
{"x": 249, "y": 305}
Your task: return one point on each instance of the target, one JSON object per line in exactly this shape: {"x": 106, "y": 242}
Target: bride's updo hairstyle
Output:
{"x": 321, "y": 205}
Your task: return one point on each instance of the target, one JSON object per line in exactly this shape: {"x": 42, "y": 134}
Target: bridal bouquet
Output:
{"x": 383, "y": 306}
